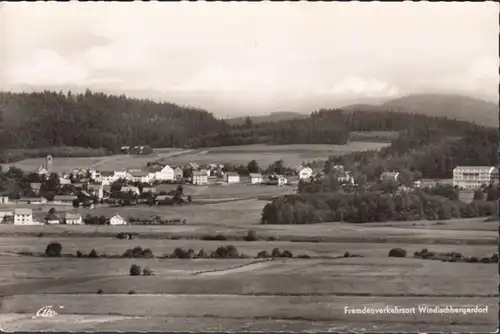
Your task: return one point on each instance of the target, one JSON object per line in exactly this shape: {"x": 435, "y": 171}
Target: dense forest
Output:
{"x": 99, "y": 121}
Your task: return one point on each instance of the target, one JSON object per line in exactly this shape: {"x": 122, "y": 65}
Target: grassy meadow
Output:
{"x": 264, "y": 154}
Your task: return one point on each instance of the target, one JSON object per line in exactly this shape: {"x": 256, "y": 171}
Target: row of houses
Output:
{"x": 25, "y": 217}
{"x": 464, "y": 177}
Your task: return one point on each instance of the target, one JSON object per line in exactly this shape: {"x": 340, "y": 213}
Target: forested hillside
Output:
{"x": 97, "y": 120}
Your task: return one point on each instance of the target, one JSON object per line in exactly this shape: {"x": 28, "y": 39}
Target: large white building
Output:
{"x": 200, "y": 178}
{"x": 473, "y": 177}
{"x": 23, "y": 217}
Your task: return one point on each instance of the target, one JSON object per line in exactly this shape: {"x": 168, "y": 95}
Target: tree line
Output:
{"x": 100, "y": 121}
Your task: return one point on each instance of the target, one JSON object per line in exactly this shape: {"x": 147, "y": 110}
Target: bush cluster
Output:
{"x": 453, "y": 257}
{"x": 138, "y": 252}
{"x": 135, "y": 270}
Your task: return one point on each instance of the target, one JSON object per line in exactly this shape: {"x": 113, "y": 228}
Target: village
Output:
{"x": 91, "y": 188}
{"x": 154, "y": 185}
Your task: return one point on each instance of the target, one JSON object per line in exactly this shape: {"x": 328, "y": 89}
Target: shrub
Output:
{"x": 79, "y": 254}
{"x": 202, "y": 253}
{"x": 473, "y": 259}
{"x": 397, "y": 252}
{"x": 135, "y": 270}
{"x": 494, "y": 258}
{"x": 251, "y": 236}
{"x": 100, "y": 292}
{"x": 180, "y": 253}
{"x": 346, "y": 254}
{"x": 121, "y": 235}
{"x": 190, "y": 253}
{"x": 138, "y": 252}
{"x": 303, "y": 256}
{"x": 276, "y": 253}
{"x": 131, "y": 292}
{"x": 271, "y": 238}
{"x": 263, "y": 254}
{"x": 228, "y": 252}
{"x": 485, "y": 260}
{"x": 147, "y": 253}
{"x": 147, "y": 272}
{"x": 286, "y": 253}
{"x": 93, "y": 253}
{"x": 218, "y": 237}
{"x": 53, "y": 249}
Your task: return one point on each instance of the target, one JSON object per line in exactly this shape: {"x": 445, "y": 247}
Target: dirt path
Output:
{"x": 237, "y": 269}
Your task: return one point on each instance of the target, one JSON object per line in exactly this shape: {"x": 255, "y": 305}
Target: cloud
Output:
{"x": 48, "y": 68}
{"x": 372, "y": 88}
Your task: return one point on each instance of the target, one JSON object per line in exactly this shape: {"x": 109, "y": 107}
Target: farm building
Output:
{"x": 63, "y": 199}
{"x": 31, "y": 200}
{"x": 4, "y": 199}
{"x": 73, "y": 219}
{"x": 255, "y": 178}
{"x": 117, "y": 220}
{"x": 23, "y": 217}
{"x": 231, "y": 177}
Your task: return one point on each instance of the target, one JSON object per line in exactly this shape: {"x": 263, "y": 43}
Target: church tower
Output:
{"x": 48, "y": 162}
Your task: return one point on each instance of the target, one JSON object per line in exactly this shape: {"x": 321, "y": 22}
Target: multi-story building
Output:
{"x": 473, "y": 177}
{"x": 23, "y": 217}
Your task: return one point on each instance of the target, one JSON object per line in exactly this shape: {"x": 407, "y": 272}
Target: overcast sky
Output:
{"x": 252, "y": 57}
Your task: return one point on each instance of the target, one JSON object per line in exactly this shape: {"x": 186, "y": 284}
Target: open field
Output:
{"x": 302, "y": 294}
{"x": 114, "y": 162}
{"x": 246, "y": 294}
{"x": 234, "y": 219}
{"x": 292, "y": 155}
{"x": 264, "y": 154}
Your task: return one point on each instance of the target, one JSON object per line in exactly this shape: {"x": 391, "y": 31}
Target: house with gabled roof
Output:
{"x": 231, "y": 177}
{"x": 73, "y": 219}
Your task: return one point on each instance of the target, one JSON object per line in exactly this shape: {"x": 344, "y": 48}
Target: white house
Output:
{"x": 138, "y": 176}
{"x": 73, "y": 219}
{"x": 389, "y": 176}
{"x": 473, "y": 177}
{"x": 120, "y": 174}
{"x": 231, "y": 177}
{"x": 305, "y": 173}
{"x": 4, "y": 199}
{"x": 200, "y": 178}
{"x": 23, "y": 217}
{"x": 166, "y": 173}
{"x": 52, "y": 219}
{"x": 255, "y": 178}
{"x": 117, "y": 220}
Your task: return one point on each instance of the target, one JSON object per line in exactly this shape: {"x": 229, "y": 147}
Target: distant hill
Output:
{"x": 442, "y": 105}
{"x": 272, "y": 117}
